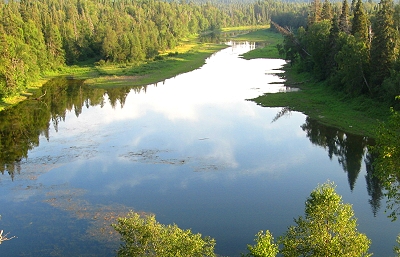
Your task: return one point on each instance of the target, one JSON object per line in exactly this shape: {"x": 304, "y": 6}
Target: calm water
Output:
{"x": 191, "y": 150}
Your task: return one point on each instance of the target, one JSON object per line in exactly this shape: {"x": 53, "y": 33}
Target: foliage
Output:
{"x": 328, "y": 228}
{"x": 317, "y": 41}
{"x": 356, "y": 115}
{"x": 387, "y": 162}
{"x": 352, "y": 66}
{"x": 146, "y": 237}
{"x": 264, "y": 247}
{"x": 38, "y": 37}
{"x": 346, "y": 50}
{"x": 383, "y": 49}
{"x": 397, "y": 247}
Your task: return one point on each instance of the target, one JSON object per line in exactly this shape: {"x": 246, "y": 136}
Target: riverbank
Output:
{"x": 359, "y": 116}
{"x": 189, "y": 56}
{"x": 355, "y": 115}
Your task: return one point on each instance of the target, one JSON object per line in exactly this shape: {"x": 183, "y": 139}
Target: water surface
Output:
{"x": 192, "y": 150}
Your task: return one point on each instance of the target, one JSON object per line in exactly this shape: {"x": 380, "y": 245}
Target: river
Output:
{"x": 193, "y": 150}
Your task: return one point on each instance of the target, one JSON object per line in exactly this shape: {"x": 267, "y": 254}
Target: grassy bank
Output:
{"x": 166, "y": 66}
{"x": 356, "y": 115}
{"x": 189, "y": 55}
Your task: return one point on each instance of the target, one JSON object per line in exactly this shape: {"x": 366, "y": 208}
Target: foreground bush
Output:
{"x": 328, "y": 228}
{"x": 144, "y": 236}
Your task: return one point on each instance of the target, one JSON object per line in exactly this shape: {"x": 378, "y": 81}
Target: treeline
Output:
{"x": 44, "y": 35}
{"x": 353, "y": 46}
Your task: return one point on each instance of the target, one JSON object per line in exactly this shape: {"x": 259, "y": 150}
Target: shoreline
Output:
{"x": 359, "y": 115}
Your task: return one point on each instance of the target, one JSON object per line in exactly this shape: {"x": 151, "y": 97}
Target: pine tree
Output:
{"x": 327, "y": 13}
{"x": 359, "y": 26}
{"x": 383, "y": 43}
{"x": 315, "y": 12}
{"x": 344, "y": 18}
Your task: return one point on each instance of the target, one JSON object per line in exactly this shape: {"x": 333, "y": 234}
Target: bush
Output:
{"x": 264, "y": 247}
{"x": 144, "y": 236}
{"x": 328, "y": 228}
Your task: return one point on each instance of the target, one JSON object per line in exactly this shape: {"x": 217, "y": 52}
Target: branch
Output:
{"x": 288, "y": 33}
{"x": 4, "y": 237}
{"x": 38, "y": 98}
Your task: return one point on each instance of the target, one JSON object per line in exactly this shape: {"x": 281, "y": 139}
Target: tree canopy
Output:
{"x": 41, "y": 36}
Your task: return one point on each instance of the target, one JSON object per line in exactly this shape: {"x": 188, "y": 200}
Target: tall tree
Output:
{"x": 315, "y": 12}
{"x": 328, "y": 228}
{"x": 327, "y": 12}
{"x": 359, "y": 27}
{"x": 383, "y": 48}
{"x": 344, "y": 18}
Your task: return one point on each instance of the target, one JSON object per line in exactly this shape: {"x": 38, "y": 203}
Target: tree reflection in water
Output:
{"x": 22, "y": 125}
{"x": 349, "y": 149}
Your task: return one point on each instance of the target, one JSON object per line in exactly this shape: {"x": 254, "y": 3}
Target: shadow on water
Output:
{"x": 21, "y": 126}
{"x": 349, "y": 149}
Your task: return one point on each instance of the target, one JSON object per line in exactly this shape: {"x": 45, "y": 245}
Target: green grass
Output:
{"x": 267, "y": 37}
{"x": 359, "y": 115}
{"x": 245, "y": 28}
{"x": 153, "y": 71}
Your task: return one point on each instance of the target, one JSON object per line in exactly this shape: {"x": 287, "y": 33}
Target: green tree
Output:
{"x": 344, "y": 18}
{"x": 383, "y": 48}
{"x": 387, "y": 162}
{"x": 146, "y": 237}
{"x": 359, "y": 27}
{"x": 397, "y": 247}
{"x": 328, "y": 228}
{"x": 353, "y": 65}
{"x": 315, "y": 12}
{"x": 317, "y": 41}
{"x": 326, "y": 13}
{"x": 264, "y": 247}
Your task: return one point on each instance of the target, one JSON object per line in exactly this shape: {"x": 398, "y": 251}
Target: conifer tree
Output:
{"x": 344, "y": 18}
{"x": 359, "y": 27}
{"x": 326, "y": 13}
{"x": 315, "y": 12}
{"x": 383, "y": 43}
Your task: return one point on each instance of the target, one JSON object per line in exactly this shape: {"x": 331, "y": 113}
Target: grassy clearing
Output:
{"x": 358, "y": 116}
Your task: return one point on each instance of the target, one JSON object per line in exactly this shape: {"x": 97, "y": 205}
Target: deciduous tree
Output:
{"x": 144, "y": 236}
{"x": 328, "y": 228}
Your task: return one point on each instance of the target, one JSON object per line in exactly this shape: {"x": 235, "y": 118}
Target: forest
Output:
{"x": 38, "y": 37}
{"x": 353, "y": 47}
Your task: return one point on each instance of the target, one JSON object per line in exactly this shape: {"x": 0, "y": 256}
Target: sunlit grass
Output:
{"x": 190, "y": 54}
{"x": 153, "y": 71}
{"x": 359, "y": 115}
{"x": 244, "y": 28}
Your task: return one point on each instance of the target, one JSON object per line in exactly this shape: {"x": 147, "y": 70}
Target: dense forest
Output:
{"x": 41, "y": 36}
{"x": 353, "y": 46}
